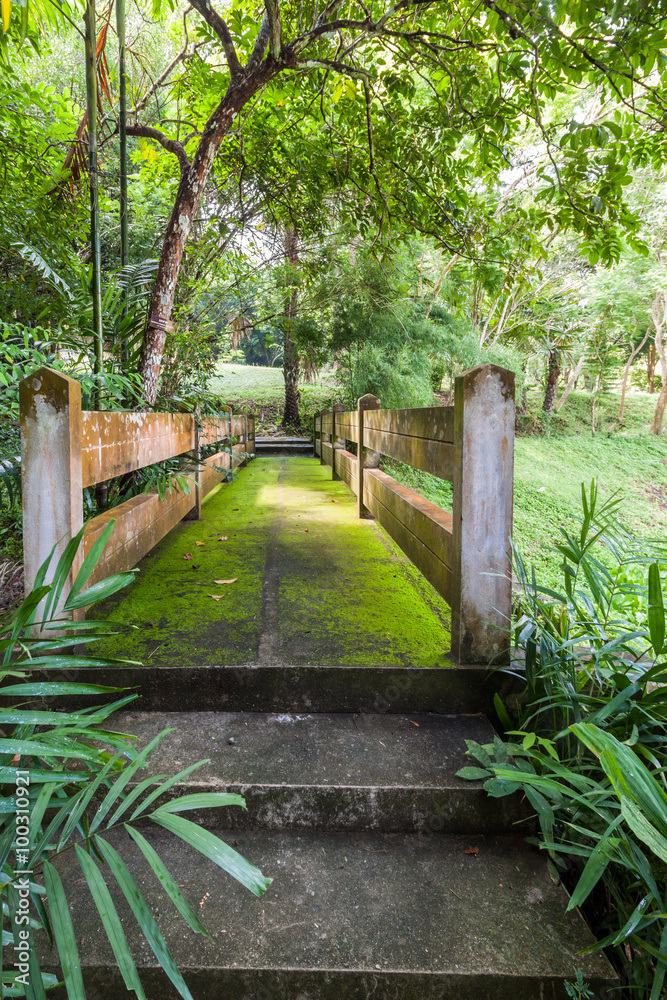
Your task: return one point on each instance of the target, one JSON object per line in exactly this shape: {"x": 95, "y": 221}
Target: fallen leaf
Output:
{"x": 223, "y": 583}
{"x": 223, "y": 538}
{"x": 334, "y": 501}
{"x": 472, "y": 850}
{"x": 415, "y": 724}
{"x": 187, "y": 556}
{"x": 201, "y": 543}
{"x": 216, "y": 597}
{"x": 305, "y": 529}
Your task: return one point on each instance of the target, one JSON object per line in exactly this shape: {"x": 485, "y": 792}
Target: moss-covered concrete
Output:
{"x": 314, "y": 585}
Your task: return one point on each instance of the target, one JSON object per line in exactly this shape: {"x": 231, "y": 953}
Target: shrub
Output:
{"x": 590, "y": 749}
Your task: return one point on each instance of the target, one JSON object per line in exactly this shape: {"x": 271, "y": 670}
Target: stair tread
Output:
{"x": 283, "y": 440}
{"x": 375, "y": 904}
{"x": 394, "y": 773}
{"x": 292, "y": 748}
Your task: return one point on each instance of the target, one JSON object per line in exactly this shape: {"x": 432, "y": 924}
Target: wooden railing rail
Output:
{"x": 65, "y": 448}
{"x": 466, "y": 554}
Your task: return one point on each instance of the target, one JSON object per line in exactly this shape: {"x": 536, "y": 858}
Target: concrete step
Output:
{"x": 393, "y": 773}
{"x": 283, "y": 446}
{"x": 348, "y": 917}
{"x": 252, "y": 688}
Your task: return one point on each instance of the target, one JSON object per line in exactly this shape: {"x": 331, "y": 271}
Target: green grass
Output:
{"x": 575, "y": 417}
{"x": 261, "y": 390}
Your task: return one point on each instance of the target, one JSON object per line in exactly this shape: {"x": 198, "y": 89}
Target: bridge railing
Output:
{"x": 465, "y": 554}
{"x": 65, "y": 448}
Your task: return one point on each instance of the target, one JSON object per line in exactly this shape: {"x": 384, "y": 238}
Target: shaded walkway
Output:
{"x": 313, "y": 584}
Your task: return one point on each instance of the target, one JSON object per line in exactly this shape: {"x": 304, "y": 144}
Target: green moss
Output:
{"x": 315, "y": 584}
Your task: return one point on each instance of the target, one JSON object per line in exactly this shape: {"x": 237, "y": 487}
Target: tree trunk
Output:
{"x": 290, "y": 351}
{"x": 650, "y": 368}
{"x": 572, "y": 382}
{"x": 194, "y": 178}
{"x": 660, "y": 321}
{"x": 626, "y": 376}
{"x": 553, "y": 371}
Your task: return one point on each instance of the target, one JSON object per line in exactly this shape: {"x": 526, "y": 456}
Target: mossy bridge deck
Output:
{"x": 285, "y": 639}
{"x": 312, "y": 583}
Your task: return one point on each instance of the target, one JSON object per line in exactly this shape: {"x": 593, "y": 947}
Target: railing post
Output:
{"x": 195, "y": 471}
{"x": 366, "y": 459}
{"x": 315, "y": 435}
{"x": 50, "y": 405}
{"x": 323, "y": 413}
{"x": 482, "y": 511}
{"x": 250, "y": 427}
{"x": 336, "y": 441}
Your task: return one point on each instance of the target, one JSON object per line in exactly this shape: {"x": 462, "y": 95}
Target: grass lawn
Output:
{"x": 260, "y": 390}
{"x": 549, "y": 466}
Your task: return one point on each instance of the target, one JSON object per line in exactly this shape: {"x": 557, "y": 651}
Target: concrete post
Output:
{"x": 250, "y": 448}
{"x": 195, "y": 472}
{"x": 50, "y": 405}
{"x": 323, "y": 414}
{"x": 366, "y": 459}
{"x": 482, "y": 510}
{"x": 336, "y": 441}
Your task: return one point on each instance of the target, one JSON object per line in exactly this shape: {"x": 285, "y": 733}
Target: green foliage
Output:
{"x": 438, "y": 369}
{"x": 60, "y": 797}
{"x": 400, "y": 378}
{"x": 590, "y": 749}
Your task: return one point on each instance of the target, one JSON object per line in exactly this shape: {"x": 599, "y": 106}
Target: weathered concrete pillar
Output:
{"x": 336, "y": 442}
{"x": 251, "y": 434}
{"x": 324, "y": 414}
{"x": 194, "y": 472}
{"x": 366, "y": 459}
{"x": 482, "y": 509}
{"x": 50, "y": 405}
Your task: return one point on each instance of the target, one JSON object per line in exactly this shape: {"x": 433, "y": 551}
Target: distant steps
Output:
{"x": 283, "y": 446}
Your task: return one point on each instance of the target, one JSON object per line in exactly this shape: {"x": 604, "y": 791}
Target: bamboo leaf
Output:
{"x": 656, "y": 609}
{"x": 202, "y": 800}
{"x": 212, "y": 847}
{"x": 111, "y": 921}
{"x": 143, "y": 916}
{"x": 64, "y": 933}
{"x": 116, "y": 789}
{"x": 168, "y": 883}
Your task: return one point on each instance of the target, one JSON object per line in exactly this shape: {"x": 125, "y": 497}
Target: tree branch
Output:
{"x": 275, "y": 30}
{"x": 214, "y": 20}
{"x": 259, "y": 49}
{"x": 171, "y": 145}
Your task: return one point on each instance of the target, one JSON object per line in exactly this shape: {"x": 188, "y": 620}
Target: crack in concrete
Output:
{"x": 268, "y": 654}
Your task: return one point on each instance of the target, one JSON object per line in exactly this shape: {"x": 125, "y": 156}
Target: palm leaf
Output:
{"x": 212, "y": 847}
{"x": 143, "y": 916}
{"x": 110, "y": 921}
{"x": 64, "y": 933}
{"x": 168, "y": 883}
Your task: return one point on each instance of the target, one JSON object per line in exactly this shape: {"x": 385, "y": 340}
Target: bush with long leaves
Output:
{"x": 590, "y": 749}
{"x": 85, "y": 781}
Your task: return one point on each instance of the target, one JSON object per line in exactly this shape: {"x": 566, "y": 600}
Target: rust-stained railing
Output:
{"x": 65, "y": 448}
{"x": 466, "y": 554}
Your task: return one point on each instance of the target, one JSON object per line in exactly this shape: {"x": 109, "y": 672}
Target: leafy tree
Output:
{"x": 471, "y": 77}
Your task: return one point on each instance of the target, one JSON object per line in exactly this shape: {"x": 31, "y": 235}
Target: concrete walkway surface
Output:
{"x": 313, "y": 584}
